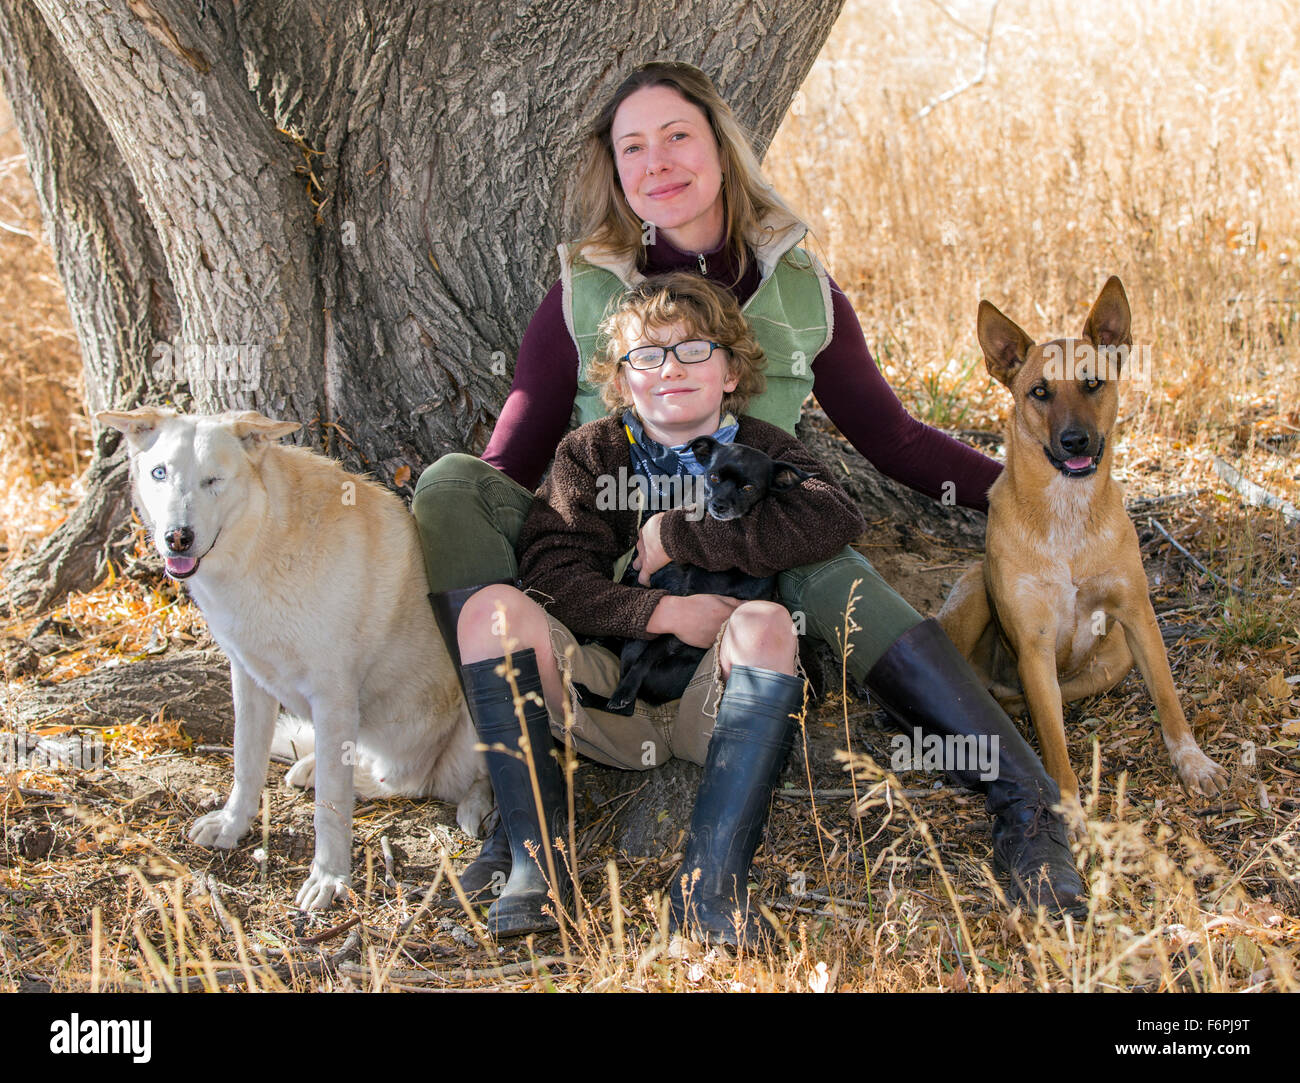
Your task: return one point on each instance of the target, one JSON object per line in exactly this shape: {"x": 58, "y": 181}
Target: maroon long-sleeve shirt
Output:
{"x": 846, "y": 381}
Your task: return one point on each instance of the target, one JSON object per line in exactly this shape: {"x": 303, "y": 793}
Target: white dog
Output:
{"x": 312, "y": 581}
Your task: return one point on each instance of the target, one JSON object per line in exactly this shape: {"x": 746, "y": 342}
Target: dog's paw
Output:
{"x": 220, "y": 829}
{"x": 321, "y": 889}
{"x": 474, "y": 809}
{"x": 620, "y": 700}
{"x": 1199, "y": 773}
{"x": 302, "y": 775}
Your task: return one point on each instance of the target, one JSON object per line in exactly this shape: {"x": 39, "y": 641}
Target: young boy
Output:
{"x": 680, "y": 363}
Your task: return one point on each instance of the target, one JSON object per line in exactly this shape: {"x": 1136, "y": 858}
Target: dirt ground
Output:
{"x": 92, "y": 855}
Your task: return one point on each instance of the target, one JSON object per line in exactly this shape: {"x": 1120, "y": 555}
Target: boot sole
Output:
{"x": 520, "y": 916}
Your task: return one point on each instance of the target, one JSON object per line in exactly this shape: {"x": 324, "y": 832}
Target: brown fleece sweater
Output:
{"x": 568, "y": 547}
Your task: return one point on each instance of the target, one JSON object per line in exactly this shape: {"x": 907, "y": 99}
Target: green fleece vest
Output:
{"x": 789, "y": 313}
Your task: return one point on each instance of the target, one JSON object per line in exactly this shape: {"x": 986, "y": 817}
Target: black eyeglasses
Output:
{"x": 691, "y": 352}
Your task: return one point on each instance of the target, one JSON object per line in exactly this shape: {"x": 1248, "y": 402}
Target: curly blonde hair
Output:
{"x": 703, "y": 309}
{"x": 606, "y": 221}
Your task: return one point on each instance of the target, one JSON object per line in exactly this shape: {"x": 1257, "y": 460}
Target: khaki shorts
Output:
{"x": 651, "y": 735}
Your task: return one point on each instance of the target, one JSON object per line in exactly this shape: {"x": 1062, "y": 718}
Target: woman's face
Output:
{"x": 669, "y": 167}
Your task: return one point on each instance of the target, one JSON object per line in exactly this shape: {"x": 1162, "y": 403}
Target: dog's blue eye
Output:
{"x": 158, "y": 473}
{"x": 1039, "y": 392}
{"x": 714, "y": 479}
{"x": 1093, "y": 384}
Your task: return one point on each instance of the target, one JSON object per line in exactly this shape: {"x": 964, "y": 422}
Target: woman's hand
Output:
{"x": 650, "y": 555}
{"x": 694, "y": 619}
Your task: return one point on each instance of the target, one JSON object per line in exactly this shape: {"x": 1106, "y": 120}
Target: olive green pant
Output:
{"x": 470, "y": 515}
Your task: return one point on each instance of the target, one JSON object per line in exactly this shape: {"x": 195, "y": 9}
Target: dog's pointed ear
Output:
{"x": 1110, "y": 321}
{"x": 785, "y": 476}
{"x": 1005, "y": 346}
{"x": 139, "y": 426}
{"x": 257, "y": 430}
{"x": 703, "y": 448}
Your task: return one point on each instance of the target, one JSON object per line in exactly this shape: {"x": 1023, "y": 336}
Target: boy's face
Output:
{"x": 676, "y": 402}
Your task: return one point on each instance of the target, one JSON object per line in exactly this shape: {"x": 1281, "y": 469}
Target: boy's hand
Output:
{"x": 694, "y": 619}
{"x": 650, "y": 555}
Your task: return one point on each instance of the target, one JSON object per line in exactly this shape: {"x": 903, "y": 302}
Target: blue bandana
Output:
{"x": 658, "y": 464}
{"x": 651, "y": 459}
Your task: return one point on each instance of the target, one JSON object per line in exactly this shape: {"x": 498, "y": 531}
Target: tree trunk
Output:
{"x": 337, "y": 212}
{"x": 118, "y": 289}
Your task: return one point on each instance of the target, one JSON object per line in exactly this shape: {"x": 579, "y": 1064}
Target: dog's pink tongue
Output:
{"x": 180, "y": 565}
{"x": 1079, "y": 462}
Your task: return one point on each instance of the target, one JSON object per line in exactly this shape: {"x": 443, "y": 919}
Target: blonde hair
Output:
{"x": 700, "y": 307}
{"x": 605, "y": 219}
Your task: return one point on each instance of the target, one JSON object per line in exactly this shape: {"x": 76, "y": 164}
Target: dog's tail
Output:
{"x": 294, "y": 738}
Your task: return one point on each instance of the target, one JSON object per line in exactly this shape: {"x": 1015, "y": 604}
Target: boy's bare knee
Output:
{"x": 495, "y": 613}
{"x": 760, "y": 634}
{"x": 766, "y": 622}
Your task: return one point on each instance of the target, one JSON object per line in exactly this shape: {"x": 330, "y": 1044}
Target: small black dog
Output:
{"x": 736, "y": 477}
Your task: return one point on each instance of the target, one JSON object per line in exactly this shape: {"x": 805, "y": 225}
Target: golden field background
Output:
{"x": 1152, "y": 141}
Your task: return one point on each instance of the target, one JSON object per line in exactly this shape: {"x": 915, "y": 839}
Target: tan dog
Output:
{"x": 1059, "y": 609}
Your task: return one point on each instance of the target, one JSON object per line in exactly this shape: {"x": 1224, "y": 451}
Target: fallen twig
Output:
{"x": 1254, "y": 495}
{"x": 275, "y": 757}
{"x": 1194, "y": 562}
{"x": 417, "y": 977}
{"x": 218, "y": 904}
{"x": 819, "y": 794}
{"x": 386, "y": 848}
{"x": 1133, "y": 507}
{"x": 331, "y": 933}
{"x": 48, "y": 795}
{"x": 1214, "y": 810}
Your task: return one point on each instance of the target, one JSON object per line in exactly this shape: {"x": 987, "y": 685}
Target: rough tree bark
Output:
{"x": 118, "y": 290}
{"x": 336, "y": 211}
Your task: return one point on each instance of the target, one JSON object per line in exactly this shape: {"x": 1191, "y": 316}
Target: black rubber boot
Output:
{"x": 750, "y": 743}
{"x": 518, "y": 909}
{"x": 484, "y": 877}
{"x": 923, "y": 681}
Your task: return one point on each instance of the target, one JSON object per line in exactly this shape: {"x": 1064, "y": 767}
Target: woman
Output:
{"x": 669, "y": 182}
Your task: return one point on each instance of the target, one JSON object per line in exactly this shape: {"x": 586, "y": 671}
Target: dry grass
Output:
{"x": 43, "y": 435}
{"x": 1152, "y": 141}
{"x": 103, "y": 894}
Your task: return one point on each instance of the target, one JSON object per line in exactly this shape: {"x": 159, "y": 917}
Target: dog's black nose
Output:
{"x": 1075, "y": 441}
{"x": 180, "y": 539}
